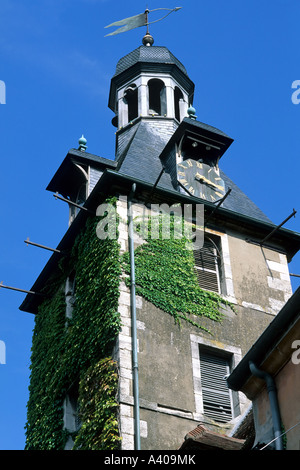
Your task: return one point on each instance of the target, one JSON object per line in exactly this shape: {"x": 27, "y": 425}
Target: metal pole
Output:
{"x": 278, "y": 227}
{"x": 19, "y": 290}
{"x": 41, "y": 246}
{"x": 218, "y": 205}
{"x": 137, "y": 441}
{"x": 146, "y": 20}
{"x": 272, "y": 392}
{"x": 71, "y": 202}
{"x": 155, "y": 184}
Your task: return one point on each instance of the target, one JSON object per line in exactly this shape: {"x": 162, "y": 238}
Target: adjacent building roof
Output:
{"x": 201, "y": 438}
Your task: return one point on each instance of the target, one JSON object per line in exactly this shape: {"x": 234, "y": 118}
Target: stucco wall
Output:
{"x": 288, "y": 386}
{"x": 260, "y": 275}
{"x": 288, "y": 392}
{"x": 167, "y": 383}
{"x": 166, "y": 368}
{"x": 166, "y": 374}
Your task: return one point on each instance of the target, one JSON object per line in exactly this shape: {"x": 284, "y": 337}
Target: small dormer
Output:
{"x": 77, "y": 176}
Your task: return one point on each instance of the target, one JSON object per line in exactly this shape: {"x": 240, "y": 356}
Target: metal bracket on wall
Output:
{"x": 28, "y": 242}
{"x": 56, "y": 195}
{"x": 263, "y": 242}
{"x": 19, "y": 290}
{"x": 220, "y": 202}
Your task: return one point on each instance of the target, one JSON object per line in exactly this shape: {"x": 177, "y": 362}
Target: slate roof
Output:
{"x": 145, "y": 54}
{"x": 202, "y": 125}
{"x": 239, "y": 202}
{"x": 141, "y": 157}
{"x": 66, "y": 177}
{"x": 149, "y": 59}
{"x": 141, "y": 160}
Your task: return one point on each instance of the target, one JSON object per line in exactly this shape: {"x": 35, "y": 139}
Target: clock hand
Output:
{"x": 205, "y": 180}
{"x": 208, "y": 182}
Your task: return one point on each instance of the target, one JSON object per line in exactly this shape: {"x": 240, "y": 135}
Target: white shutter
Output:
{"x": 206, "y": 267}
{"x": 215, "y": 392}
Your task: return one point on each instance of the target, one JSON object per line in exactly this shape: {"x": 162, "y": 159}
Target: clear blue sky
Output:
{"x": 243, "y": 57}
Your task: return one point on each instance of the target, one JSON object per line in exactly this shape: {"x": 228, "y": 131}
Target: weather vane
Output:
{"x": 139, "y": 20}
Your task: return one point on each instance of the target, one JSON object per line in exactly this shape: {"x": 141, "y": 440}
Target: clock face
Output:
{"x": 200, "y": 180}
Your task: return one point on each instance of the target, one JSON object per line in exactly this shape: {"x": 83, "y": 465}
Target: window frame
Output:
{"x": 225, "y": 271}
{"x": 131, "y": 100}
{"x": 71, "y": 416}
{"x": 216, "y": 396}
{"x": 204, "y": 264}
{"x": 225, "y": 350}
{"x": 178, "y": 98}
{"x": 157, "y": 97}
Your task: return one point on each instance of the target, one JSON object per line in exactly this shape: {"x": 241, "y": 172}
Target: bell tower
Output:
{"x": 110, "y": 365}
{"x": 150, "y": 85}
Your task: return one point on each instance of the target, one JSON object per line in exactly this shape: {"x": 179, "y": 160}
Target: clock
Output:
{"x": 200, "y": 180}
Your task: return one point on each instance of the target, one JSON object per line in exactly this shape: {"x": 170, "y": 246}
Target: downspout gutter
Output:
{"x": 137, "y": 443}
{"x": 272, "y": 392}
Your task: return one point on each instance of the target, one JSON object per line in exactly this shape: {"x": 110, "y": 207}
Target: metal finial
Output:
{"x": 192, "y": 112}
{"x": 82, "y": 143}
{"x": 148, "y": 40}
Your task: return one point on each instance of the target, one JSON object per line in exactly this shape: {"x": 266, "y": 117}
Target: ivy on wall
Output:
{"x": 98, "y": 408}
{"x": 165, "y": 276}
{"x": 77, "y": 350}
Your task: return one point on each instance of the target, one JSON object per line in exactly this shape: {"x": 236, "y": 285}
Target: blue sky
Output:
{"x": 243, "y": 57}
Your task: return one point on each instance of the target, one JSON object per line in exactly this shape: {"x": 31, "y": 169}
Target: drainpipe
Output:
{"x": 271, "y": 387}
{"x": 137, "y": 442}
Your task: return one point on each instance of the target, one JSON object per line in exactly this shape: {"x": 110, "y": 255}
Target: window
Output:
{"x": 72, "y": 422}
{"x": 131, "y": 98}
{"x": 80, "y": 199}
{"x": 216, "y": 396}
{"x": 207, "y": 266}
{"x": 213, "y": 398}
{"x": 157, "y": 97}
{"x": 178, "y": 98}
{"x": 70, "y": 294}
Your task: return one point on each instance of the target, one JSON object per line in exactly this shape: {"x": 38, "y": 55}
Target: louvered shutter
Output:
{"x": 206, "y": 267}
{"x": 216, "y": 395}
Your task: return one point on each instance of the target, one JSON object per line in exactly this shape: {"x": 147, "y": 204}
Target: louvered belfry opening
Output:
{"x": 207, "y": 266}
{"x": 217, "y": 403}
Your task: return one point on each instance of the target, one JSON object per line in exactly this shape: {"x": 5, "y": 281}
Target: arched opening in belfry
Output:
{"x": 157, "y": 97}
{"x": 178, "y": 100}
{"x": 131, "y": 98}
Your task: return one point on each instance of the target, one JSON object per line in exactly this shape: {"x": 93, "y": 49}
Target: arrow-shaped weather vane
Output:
{"x": 138, "y": 20}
